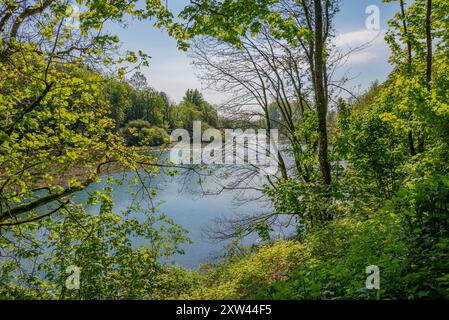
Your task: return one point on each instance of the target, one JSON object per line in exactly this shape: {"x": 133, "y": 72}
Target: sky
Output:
{"x": 170, "y": 69}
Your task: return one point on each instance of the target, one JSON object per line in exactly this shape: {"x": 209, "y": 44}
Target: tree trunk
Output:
{"x": 429, "y": 43}
{"x": 429, "y": 59}
{"x": 409, "y": 64}
{"x": 404, "y": 24}
{"x": 320, "y": 93}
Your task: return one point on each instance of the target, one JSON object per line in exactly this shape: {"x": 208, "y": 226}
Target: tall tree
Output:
{"x": 319, "y": 82}
{"x": 429, "y": 44}
{"x": 54, "y": 119}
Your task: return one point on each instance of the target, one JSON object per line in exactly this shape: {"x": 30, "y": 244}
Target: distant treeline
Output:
{"x": 145, "y": 116}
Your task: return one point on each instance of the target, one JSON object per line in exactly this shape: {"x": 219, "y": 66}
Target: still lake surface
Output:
{"x": 183, "y": 200}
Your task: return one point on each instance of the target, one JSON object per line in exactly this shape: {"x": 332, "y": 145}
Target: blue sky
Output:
{"x": 170, "y": 70}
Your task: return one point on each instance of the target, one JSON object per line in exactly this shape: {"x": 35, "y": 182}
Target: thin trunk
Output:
{"x": 320, "y": 94}
{"x": 429, "y": 44}
{"x": 281, "y": 161}
{"x": 407, "y": 41}
{"x": 429, "y": 59}
{"x": 409, "y": 64}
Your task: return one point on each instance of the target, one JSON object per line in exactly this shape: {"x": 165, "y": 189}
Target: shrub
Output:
{"x": 155, "y": 136}
{"x": 335, "y": 259}
{"x": 140, "y": 132}
{"x": 329, "y": 263}
{"x": 238, "y": 277}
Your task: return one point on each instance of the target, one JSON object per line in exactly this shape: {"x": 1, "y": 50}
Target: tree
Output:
{"x": 138, "y": 81}
{"x": 307, "y": 24}
{"x": 319, "y": 69}
{"x": 276, "y": 54}
{"x": 54, "y": 120}
{"x": 203, "y": 110}
{"x": 184, "y": 115}
{"x": 118, "y": 96}
{"x": 194, "y": 97}
{"x": 58, "y": 131}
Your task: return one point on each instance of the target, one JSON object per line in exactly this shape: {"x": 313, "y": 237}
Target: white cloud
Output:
{"x": 170, "y": 70}
{"x": 368, "y": 45}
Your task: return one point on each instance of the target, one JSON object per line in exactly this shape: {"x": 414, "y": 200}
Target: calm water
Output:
{"x": 183, "y": 200}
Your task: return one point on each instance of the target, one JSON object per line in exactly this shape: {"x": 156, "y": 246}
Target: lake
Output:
{"x": 183, "y": 200}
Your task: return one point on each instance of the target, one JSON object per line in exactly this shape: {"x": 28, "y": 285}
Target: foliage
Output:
{"x": 59, "y": 116}
{"x": 336, "y": 256}
{"x": 329, "y": 263}
{"x": 238, "y": 276}
{"x": 156, "y": 136}
{"x": 393, "y": 139}
{"x": 386, "y": 204}
{"x": 103, "y": 245}
{"x": 194, "y": 107}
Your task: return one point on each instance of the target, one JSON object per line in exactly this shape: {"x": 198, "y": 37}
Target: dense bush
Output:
{"x": 238, "y": 276}
{"x": 141, "y": 132}
{"x": 335, "y": 261}
{"x": 329, "y": 263}
{"x": 155, "y": 136}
